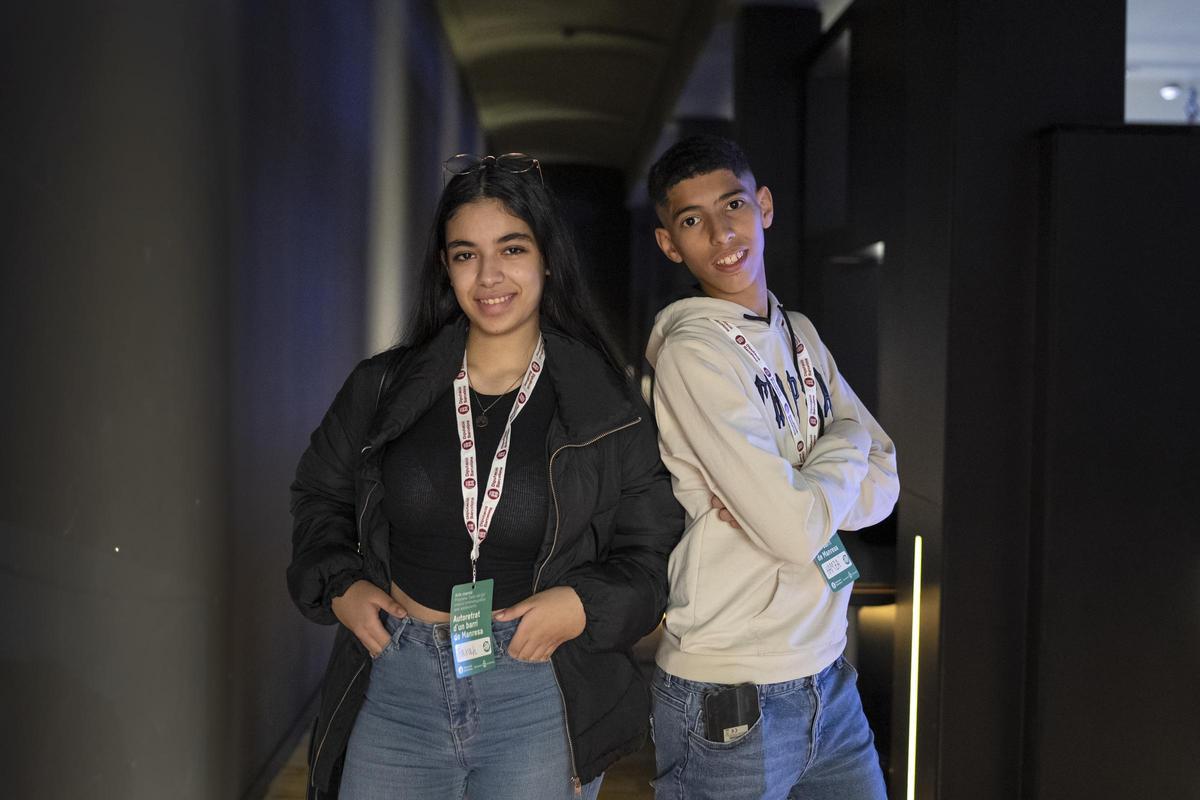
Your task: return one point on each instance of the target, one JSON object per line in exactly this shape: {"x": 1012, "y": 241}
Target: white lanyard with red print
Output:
{"x": 477, "y": 529}
{"x": 835, "y": 563}
{"x": 806, "y": 439}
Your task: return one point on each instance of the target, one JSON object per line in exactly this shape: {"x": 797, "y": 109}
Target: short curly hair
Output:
{"x": 695, "y": 155}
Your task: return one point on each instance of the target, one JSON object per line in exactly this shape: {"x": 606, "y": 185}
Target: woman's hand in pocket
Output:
{"x": 548, "y": 619}
{"x": 358, "y": 609}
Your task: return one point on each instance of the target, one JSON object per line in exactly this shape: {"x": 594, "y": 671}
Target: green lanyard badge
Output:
{"x": 835, "y": 564}
{"x": 471, "y": 628}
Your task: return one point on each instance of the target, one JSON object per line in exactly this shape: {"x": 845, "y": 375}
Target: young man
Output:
{"x": 771, "y": 454}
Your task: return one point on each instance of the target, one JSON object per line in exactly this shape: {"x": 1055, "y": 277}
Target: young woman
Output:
{"x": 497, "y": 466}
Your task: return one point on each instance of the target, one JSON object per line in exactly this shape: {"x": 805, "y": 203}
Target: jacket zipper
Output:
{"x": 361, "y": 514}
{"x": 332, "y": 717}
{"x": 554, "y": 543}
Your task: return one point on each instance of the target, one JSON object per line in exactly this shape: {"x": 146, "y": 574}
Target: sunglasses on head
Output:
{"x": 516, "y": 163}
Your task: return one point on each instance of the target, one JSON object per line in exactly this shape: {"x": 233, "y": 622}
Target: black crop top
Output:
{"x": 430, "y": 548}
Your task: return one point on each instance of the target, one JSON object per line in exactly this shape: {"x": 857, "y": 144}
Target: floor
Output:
{"x": 628, "y": 779}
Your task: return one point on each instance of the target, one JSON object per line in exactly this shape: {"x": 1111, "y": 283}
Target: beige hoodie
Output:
{"x": 751, "y": 604}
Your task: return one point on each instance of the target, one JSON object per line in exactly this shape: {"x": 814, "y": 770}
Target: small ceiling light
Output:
{"x": 1170, "y": 91}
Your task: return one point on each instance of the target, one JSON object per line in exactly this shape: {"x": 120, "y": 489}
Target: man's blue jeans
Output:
{"x": 811, "y": 742}
{"x": 424, "y": 734}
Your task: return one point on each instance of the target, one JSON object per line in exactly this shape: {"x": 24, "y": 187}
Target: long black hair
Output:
{"x": 565, "y": 303}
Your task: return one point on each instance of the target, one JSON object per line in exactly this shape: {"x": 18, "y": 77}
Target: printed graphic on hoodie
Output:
{"x": 765, "y": 394}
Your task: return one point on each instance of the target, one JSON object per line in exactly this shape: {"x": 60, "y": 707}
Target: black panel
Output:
{"x": 1115, "y": 601}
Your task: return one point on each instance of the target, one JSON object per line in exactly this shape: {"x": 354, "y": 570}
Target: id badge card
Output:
{"x": 837, "y": 568}
{"x": 471, "y": 628}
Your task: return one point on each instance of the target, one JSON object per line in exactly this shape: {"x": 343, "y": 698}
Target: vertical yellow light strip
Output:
{"x": 914, "y": 660}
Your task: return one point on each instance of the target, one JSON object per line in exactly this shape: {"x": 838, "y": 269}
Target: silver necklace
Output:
{"x": 481, "y": 421}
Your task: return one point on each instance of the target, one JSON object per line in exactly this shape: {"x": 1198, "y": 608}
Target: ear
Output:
{"x": 766, "y": 205}
{"x": 667, "y": 245}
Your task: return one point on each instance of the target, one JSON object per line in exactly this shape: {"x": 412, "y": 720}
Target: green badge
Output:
{"x": 835, "y": 564}
{"x": 471, "y": 628}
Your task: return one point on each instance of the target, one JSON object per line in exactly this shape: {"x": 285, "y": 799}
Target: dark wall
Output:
{"x": 945, "y": 104}
{"x": 1114, "y": 633}
{"x": 117, "y": 173}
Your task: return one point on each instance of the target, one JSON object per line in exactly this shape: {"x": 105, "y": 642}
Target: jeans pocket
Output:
{"x": 395, "y": 627}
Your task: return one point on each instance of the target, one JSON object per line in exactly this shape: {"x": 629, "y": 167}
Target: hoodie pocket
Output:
{"x": 776, "y": 628}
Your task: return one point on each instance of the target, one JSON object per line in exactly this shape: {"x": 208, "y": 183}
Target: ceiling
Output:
{"x": 579, "y": 82}
{"x": 595, "y": 82}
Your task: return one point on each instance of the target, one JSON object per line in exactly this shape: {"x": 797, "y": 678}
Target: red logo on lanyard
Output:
{"x": 464, "y": 408}
{"x": 740, "y": 339}
{"x": 809, "y": 382}
{"x": 470, "y": 527}
{"x": 469, "y": 483}
{"x": 799, "y": 347}
{"x": 468, "y": 444}
{"x": 521, "y": 397}
{"x": 462, "y": 373}
{"x": 501, "y": 453}
{"x": 799, "y": 447}
{"x": 812, "y": 420}
{"x": 535, "y": 367}
{"x": 482, "y": 534}
{"x": 494, "y": 493}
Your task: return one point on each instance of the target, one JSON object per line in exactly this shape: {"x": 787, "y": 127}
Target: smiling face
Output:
{"x": 495, "y": 268}
{"x": 713, "y": 223}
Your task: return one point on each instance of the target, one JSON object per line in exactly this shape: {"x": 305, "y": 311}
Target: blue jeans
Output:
{"x": 811, "y": 742}
{"x": 424, "y": 734}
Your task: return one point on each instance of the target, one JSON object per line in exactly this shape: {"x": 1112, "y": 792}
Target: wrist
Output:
{"x": 578, "y": 613}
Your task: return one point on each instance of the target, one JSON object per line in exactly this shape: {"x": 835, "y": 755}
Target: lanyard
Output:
{"x": 806, "y": 439}
{"x": 477, "y": 529}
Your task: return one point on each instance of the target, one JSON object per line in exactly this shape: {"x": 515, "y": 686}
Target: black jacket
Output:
{"x": 612, "y": 524}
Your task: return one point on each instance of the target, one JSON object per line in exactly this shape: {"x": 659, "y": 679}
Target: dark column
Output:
{"x": 769, "y": 41}
{"x": 114, "y": 541}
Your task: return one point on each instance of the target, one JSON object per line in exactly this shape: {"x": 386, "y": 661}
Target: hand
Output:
{"x": 548, "y": 619}
{"x": 854, "y": 432}
{"x": 723, "y": 512}
{"x": 358, "y": 609}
